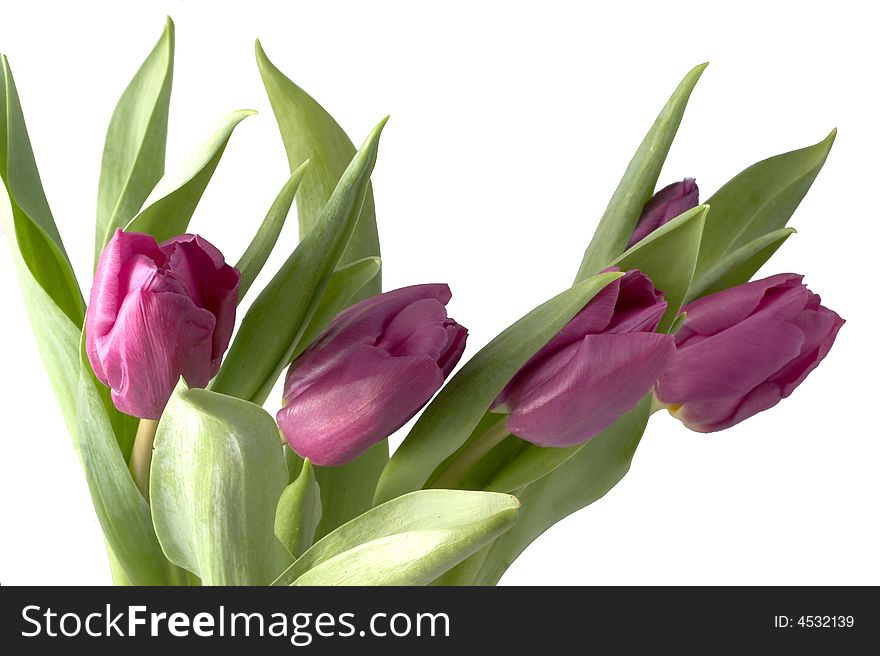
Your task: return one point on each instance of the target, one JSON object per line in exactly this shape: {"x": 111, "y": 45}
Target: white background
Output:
{"x": 511, "y": 125}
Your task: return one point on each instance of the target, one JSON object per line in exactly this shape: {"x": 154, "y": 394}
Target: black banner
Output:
{"x": 435, "y": 620}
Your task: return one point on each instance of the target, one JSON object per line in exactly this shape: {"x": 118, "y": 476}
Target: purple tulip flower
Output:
{"x": 744, "y": 349}
{"x": 156, "y": 313}
{"x": 665, "y": 205}
{"x": 595, "y": 369}
{"x": 369, "y": 372}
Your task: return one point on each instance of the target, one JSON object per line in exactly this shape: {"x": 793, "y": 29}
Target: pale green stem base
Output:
{"x": 142, "y": 454}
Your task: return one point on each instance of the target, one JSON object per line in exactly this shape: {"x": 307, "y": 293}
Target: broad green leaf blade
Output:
{"x": 258, "y": 251}
{"x": 122, "y": 511}
{"x": 299, "y": 512}
{"x": 284, "y": 308}
{"x": 759, "y": 201}
{"x": 668, "y": 257}
{"x": 347, "y": 491}
{"x": 532, "y": 463}
{"x": 448, "y": 421}
{"x": 739, "y": 266}
{"x": 32, "y": 226}
{"x": 343, "y": 286}
{"x": 213, "y": 498}
{"x": 37, "y": 247}
{"x": 579, "y": 481}
{"x": 170, "y": 206}
{"x": 637, "y": 185}
{"x": 134, "y": 149}
{"x": 309, "y": 132}
{"x": 408, "y": 541}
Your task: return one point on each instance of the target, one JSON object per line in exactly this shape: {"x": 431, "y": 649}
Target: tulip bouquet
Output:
{"x": 199, "y": 477}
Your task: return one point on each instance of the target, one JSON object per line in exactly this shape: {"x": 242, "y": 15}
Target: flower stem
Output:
{"x": 458, "y": 469}
{"x": 142, "y": 454}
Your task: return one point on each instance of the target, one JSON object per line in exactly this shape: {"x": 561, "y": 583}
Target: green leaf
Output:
{"x": 447, "y": 422}
{"x": 134, "y": 150}
{"x": 343, "y": 286}
{"x": 122, "y": 511}
{"x": 582, "y": 479}
{"x": 739, "y": 266}
{"x": 309, "y": 132}
{"x": 170, "y": 206}
{"x": 410, "y": 540}
{"x": 638, "y": 182}
{"x": 31, "y": 224}
{"x": 284, "y": 308}
{"x": 347, "y": 491}
{"x": 757, "y": 202}
{"x": 532, "y": 463}
{"x": 668, "y": 257}
{"x": 299, "y": 512}
{"x": 37, "y": 247}
{"x": 254, "y": 258}
{"x": 213, "y": 498}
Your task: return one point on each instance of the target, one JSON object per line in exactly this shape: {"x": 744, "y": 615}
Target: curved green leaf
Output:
{"x": 758, "y": 201}
{"x": 637, "y": 185}
{"x": 299, "y": 512}
{"x": 532, "y": 463}
{"x": 668, "y": 257}
{"x": 582, "y": 479}
{"x": 739, "y": 266}
{"x": 309, "y": 132}
{"x": 448, "y": 421}
{"x": 284, "y": 308}
{"x": 258, "y": 251}
{"x": 134, "y": 150}
{"x": 342, "y": 287}
{"x": 170, "y": 206}
{"x": 213, "y": 499}
{"x": 122, "y": 511}
{"x": 408, "y": 541}
{"x": 31, "y": 224}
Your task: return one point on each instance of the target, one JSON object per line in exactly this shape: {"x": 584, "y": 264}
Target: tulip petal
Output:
{"x": 368, "y": 396}
{"x": 820, "y": 329}
{"x": 731, "y": 363}
{"x": 456, "y": 340}
{"x": 605, "y": 378}
{"x": 713, "y": 313}
{"x": 418, "y": 328}
{"x": 156, "y": 337}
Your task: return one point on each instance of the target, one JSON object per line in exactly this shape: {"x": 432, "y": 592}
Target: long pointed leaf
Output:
{"x": 739, "y": 266}
{"x": 637, "y": 185}
{"x": 758, "y": 201}
{"x": 32, "y": 226}
{"x": 258, "y": 251}
{"x": 309, "y": 132}
{"x": 284, "y": 308}
{"x": 170, "y": 206}
{"x": 134, "y": 149}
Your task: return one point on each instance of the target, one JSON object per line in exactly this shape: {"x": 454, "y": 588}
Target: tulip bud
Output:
{"x": 369, "y": 372}
{"x": 156, "y": 313}
{"x": 595, "y": 369}
{"x": 665, "y": 205}
{"x": 744, "y": 349}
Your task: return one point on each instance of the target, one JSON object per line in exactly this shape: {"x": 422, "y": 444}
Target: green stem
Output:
{"x": 458, "y": 469}
{"x": 142, "y": 454}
